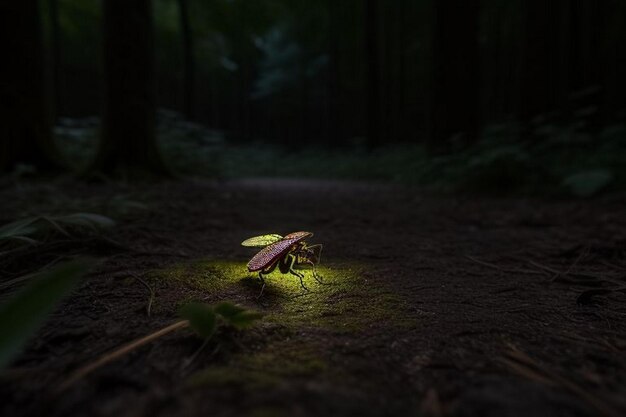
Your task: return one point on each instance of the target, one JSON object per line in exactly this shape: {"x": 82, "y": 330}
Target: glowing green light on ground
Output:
{"x": 347, "y": 301}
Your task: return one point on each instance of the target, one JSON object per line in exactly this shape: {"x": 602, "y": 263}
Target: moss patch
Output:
{"x": 209, "y": 276}
{"x": 230, "y": 376}
{"x": 275, "y": 364}
{"x": 348, "y": 300}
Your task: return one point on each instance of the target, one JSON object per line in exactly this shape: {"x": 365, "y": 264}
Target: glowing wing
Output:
{"x": 298, "y": 235}
{"x": 270, "y": 254}
{"x": 261, "y": 241}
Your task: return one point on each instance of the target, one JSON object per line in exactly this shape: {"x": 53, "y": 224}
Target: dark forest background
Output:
{"x": 515, "y": 96}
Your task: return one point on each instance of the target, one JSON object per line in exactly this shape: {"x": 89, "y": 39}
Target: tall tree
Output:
{"x": 372, "y": 49}
{"x": 55, "y": 46}
{"x": 541, "y": 84}
{"x": 586, "y": 26}
{"x": 189, "y": 61}
{"x": 334, "y": 134}
{"x": 614, "y": 62}
{"x": 455, "y": 73}
{"x": 128, "y": 144}
{"x": 24, "y": 112}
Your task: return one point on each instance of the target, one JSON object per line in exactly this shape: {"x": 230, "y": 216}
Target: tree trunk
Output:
{"x": 541, "y": 84}
{"x": 373, "y": 87}
{"x": 24, "y": 109}
{"x": 585, "y": 82}
{"x": 335, "y": 133}
{"x": 614, "y": 63}
{"x": 455, "y": 91}
{"x": 188, "y": 60}
{"x": 55, "y": 46}
{"x": 128, "y": 144}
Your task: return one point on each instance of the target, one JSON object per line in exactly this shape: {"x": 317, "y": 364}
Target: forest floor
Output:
{"x": 432, "y": 306}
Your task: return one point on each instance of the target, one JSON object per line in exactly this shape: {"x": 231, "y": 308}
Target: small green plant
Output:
{"x": 202, "y": 318}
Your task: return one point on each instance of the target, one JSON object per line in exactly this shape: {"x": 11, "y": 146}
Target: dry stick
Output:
{"x": 612, "y": 265}
{"x": 14, "y": 281}
{"x": 499, "y": 268}
{"x": 526, "y": 372}
{"x": 582, "y": 255}
{"x": 189, "y": 360}
{"x": 576, "y": 274}
{"x": 524, "y": 364}
{"x": 150, "y": 289}
{"x": 118, "y": 353}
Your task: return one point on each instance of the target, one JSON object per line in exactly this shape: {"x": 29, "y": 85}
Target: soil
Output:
{"x": 431, "y": 306}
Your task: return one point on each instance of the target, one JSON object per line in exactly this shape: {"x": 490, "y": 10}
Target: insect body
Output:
{"x": 284, "y": 252}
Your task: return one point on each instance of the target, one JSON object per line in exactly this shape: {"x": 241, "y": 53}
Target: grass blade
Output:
{"x": 86, "y": 220}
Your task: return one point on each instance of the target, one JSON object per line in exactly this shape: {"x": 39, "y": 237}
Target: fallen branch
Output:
{"x": 523, "y": 365}
{"x": 587, "y": 275}
{"x": 499, "y": 268}
{"x": 150, "y": 289}
{"x": 82, "y": 372}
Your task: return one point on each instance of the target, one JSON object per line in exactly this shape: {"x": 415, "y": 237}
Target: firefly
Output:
{"x": 284, "y": 252}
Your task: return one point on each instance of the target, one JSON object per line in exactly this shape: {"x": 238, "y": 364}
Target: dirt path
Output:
{"x": 433, "y": 306}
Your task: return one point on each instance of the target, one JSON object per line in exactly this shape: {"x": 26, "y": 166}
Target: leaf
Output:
{"x": 245, "y": 319}
{"x": 24, "y": 229}
{"x": 24, "y": 239}
{"x": 261, "y": 241}
{"x": 18, "y": 228}
{"x": 55, "y": 225}
{"x": 588, "y": 183}
{"x": 89, "y": 220}
{"x": 237, "y": 316}
{"x": 202, "y": 318}
{"x": 226, "y": 309}
{"x": 22, "y": 315}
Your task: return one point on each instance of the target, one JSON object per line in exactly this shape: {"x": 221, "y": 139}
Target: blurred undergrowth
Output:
{"x": 560, "y": 161}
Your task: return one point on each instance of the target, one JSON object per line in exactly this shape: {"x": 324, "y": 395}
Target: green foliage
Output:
{"x": 86, "y": 221}
{"x": 588, "y": 183}
{"x": 237, "y": 316}
{"x": 203, "y": 318}
{"x": 31, "y": 229}
{"x": 18, "y": 230}
{"x": 22, "y": 314}
{"x": 266, "y": 368}
{"x": 498, "y": 164}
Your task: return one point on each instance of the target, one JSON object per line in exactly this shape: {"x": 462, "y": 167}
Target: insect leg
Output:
{"x": 317, "y": 276}
{"x": 292, "y": 261}
{"x": 262, "y": 282}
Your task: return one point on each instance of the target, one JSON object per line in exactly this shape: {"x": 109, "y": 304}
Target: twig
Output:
{"x": 150, "y": 289}
{"x": 524, "y": 365}
{"x": 12, "y": 282}
{"x": 499, "y": 268}
{"x": 588, "y": 275}
{"x": 582, "y": 255}
{"x": 612, "y": 265}
{"x": 116, "y": 354}
{"x": 189, "y": 360}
